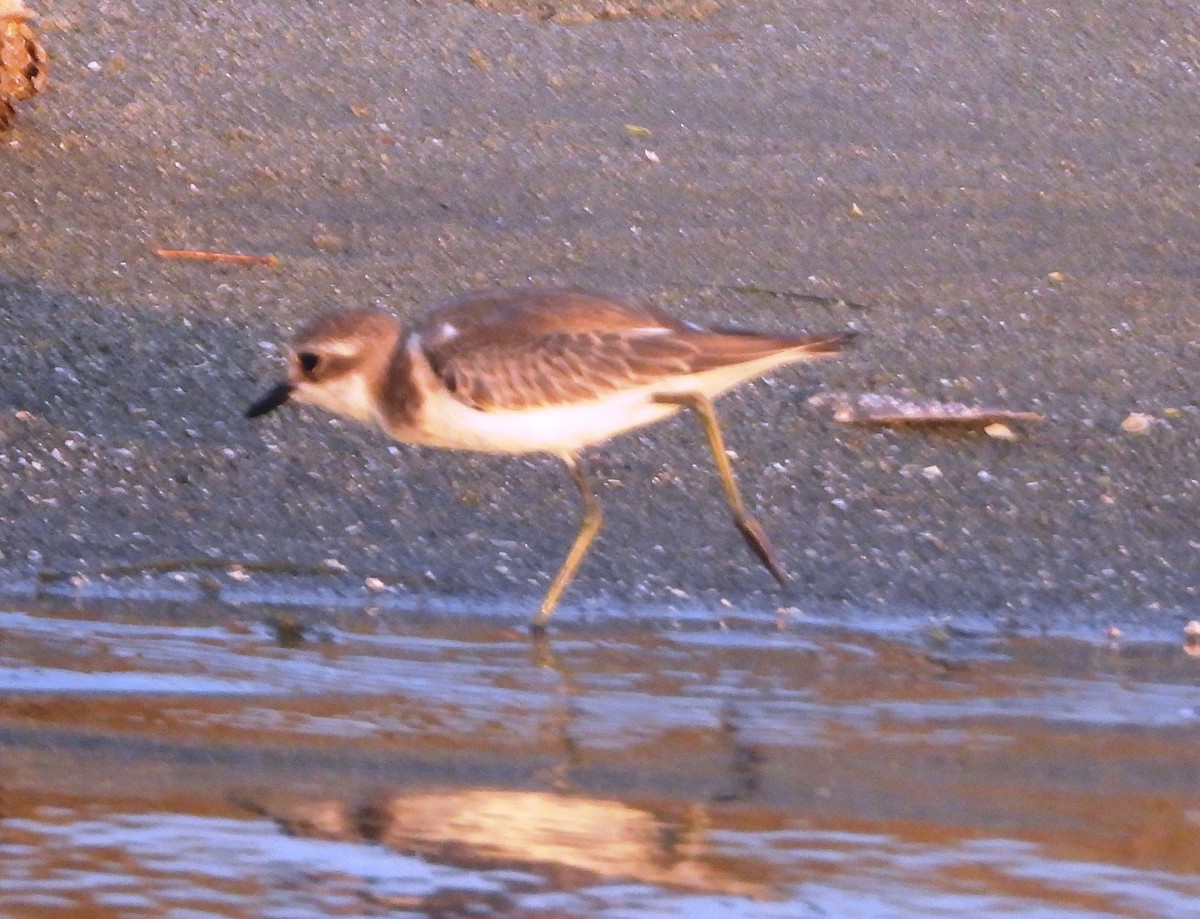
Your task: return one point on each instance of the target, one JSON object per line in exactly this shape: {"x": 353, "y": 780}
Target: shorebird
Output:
{"x": 536, "y": 370}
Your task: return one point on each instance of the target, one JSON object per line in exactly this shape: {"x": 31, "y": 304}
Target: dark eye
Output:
{"x": 308, "y": 361}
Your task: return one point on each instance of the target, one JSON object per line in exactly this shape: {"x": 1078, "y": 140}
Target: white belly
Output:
{"x": 446, "y": 422}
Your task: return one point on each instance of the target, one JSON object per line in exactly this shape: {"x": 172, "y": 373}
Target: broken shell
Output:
{"x": 1137, "y": 423}
{"x": 1191, "y": 638}
{"x": 1000, "y": 431}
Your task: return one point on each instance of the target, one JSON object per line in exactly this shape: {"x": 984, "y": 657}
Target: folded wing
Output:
{"x": 528, "y": 349}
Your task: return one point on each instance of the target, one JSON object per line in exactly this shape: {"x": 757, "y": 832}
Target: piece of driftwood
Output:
{"x": 872, "y": 409}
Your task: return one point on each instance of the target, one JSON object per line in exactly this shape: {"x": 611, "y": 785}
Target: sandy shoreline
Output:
{"x": 1011, "y": 195}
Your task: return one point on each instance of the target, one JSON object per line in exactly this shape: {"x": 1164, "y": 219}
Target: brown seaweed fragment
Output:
{"x": 23, "y": 60}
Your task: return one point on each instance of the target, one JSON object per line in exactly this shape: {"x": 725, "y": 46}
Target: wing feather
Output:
{"x": 516, "y": 350}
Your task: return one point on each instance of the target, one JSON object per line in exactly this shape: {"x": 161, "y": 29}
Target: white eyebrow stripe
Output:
{"x": 341, "y": 347}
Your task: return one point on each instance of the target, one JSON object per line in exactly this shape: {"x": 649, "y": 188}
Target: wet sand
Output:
{"x": 463, "y": 770}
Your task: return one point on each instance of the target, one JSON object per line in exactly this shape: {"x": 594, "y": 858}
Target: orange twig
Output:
{"x": 233, "y": 257}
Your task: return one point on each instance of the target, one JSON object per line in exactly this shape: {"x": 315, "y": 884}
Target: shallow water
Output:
{"x": 248, "y": 767}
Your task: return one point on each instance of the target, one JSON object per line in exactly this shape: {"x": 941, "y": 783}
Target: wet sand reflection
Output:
{"x": 461, "y": 770}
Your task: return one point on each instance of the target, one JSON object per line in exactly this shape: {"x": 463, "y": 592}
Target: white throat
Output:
{"x": 347, "y": 395}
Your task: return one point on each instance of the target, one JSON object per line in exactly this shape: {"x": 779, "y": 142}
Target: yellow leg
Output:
{"x": 588, "y": 528}
{"x": 755, "y": 538}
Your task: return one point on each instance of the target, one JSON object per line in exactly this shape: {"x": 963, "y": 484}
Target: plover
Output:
{"x": 536, "y": 370}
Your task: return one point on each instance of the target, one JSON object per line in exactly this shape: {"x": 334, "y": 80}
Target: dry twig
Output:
{"x": 235, "y": 258}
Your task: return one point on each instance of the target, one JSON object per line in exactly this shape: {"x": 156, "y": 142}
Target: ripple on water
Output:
{"x": 152, "y": 768}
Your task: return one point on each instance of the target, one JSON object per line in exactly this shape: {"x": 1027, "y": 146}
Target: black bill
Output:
{"x": 272, "y": 400}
